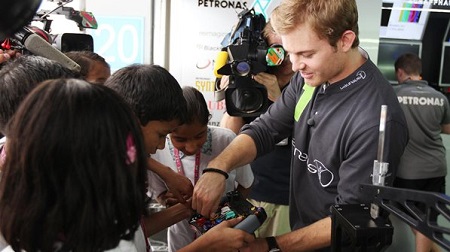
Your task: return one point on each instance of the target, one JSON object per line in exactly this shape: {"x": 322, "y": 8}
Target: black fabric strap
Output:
{"x": 216, "y": 171}
{"x": 273, "y": 245}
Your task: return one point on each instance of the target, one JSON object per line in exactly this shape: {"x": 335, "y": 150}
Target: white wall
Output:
{"x": 125, "y": 29}
{"x": 369, "y": 16}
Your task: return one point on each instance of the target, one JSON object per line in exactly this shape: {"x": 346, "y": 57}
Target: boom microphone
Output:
{"x": 219, "y": 63}
{"x": 221, "y": 60}
{"x": 38, "y": 46}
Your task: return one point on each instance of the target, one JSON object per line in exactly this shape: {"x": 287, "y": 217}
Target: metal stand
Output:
{"x": 353, "y": 229}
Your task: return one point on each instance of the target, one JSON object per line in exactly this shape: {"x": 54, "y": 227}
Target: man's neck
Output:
{"x": 412, "y": 78}
{"x": 355, "y": 59}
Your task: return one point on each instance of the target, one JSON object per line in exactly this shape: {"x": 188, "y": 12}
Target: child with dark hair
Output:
{"x": 157, "y": 100}
{"x": 94, "y": 67}
{"x": 20, "y": 75}
{"x": 74, "y": 177}
{"x": 188, "y": 150}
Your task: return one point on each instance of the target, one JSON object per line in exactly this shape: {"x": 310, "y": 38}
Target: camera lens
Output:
{"x": 247, "y": 100}
{"x": 242, "y": 68}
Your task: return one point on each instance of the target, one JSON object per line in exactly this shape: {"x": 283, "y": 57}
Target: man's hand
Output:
{"x": 228, "y": 238}
{"x": 211, "y": 185}
{"x": 207, "y": 193}
{"x": 222, "y": 237}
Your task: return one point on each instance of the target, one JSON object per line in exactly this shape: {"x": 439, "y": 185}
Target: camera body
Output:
{"x": 246, "y": 49}
{"x": 246, "y": 46}
{"x": 33, "y": 40}
{"x": 63, "y": 42}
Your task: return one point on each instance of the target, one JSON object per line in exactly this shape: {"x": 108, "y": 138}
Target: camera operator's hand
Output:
{"x": 271, "y": 83}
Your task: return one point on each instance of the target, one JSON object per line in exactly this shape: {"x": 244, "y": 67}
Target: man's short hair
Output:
{"x": 410, "y": 63}
{"x": 328, "y": 18}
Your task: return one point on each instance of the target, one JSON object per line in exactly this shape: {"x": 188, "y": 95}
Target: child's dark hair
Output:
{"x": 86, "y": 59}
{"x": 197, "y": 109}
{"x": 75, "y": 170}
{"x": 151, "y": 91}
{"x": 19, "y": 76}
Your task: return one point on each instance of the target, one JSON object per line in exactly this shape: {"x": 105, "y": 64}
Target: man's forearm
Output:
{"x": 312, "y": 237}
{"x": 239, "y": 152}
{"x": 445, "y": 128}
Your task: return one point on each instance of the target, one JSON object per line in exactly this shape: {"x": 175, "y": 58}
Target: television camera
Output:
{"x": 70, "y": 41}
{"x": 33, "y": 40}
{"x": 244, "y": 54}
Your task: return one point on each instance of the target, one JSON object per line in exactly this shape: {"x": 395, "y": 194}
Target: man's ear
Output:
{"x": 400, "y": 75}
{"x": 347, "y": 39}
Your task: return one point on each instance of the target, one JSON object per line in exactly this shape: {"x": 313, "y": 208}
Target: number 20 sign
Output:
{"x": 120, "y": 40}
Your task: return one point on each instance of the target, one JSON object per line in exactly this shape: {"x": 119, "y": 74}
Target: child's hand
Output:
{"x": 8, "y": 54}
{"x": 168, "y": 199}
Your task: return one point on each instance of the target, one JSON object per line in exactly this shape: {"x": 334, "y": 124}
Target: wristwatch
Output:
{"x": 273, "y": 245}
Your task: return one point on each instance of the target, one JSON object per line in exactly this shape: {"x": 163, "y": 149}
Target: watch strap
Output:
{"x": 273, "y": 245}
